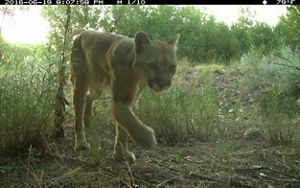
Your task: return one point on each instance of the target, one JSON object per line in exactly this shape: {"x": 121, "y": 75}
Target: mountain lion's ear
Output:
{"x": 141, "y": 41}
{"x": 173, "y": 42}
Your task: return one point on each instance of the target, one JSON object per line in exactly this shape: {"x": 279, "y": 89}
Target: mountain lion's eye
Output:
{"x": 172, "y": 68}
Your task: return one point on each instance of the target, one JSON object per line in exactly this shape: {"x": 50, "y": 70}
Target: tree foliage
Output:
{"x": 288, "y": 29}
{"x": 203, "y": 38}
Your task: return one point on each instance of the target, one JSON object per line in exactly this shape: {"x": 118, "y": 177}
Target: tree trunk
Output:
{"x": 60, "y": 97}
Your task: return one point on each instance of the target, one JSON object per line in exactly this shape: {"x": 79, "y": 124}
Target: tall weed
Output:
{"x": 27, "y": 93}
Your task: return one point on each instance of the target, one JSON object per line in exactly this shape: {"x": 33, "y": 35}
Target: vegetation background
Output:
{"x": 237, "y": 90}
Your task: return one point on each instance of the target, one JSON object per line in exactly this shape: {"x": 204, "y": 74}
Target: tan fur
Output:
{"x": 121, "y": 66}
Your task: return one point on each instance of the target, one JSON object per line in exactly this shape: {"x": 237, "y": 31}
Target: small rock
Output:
{"x": 217, "y": 71}
{"x": 254, "y": 133}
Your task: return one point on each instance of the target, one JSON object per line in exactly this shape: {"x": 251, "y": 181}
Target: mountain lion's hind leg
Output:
{"x": 90, "y": 97}
{"x": 80, "y": 91}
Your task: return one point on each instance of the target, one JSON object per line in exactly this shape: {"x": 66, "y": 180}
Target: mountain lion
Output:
{"x": 121, "y": 66}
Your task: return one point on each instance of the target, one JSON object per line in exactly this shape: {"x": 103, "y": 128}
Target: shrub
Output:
{"x": 281, "y": 128}
{"x": 275, "y": 81}
{"x": 278, "y": 72}
{"x": 27, "y": 104}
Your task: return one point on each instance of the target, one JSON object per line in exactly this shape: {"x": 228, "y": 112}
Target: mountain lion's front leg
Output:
{"x": 121, "y": 151}
{"x": 140, "y": 133}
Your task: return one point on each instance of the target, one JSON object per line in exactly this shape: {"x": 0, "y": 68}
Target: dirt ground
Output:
{"x": 223, "y": 163}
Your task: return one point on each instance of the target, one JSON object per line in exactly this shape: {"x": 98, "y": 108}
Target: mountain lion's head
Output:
{"x": 158, "y": 60}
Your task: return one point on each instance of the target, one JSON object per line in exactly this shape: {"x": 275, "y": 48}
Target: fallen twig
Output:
{"x": 166, "y": 181}
{"x": 68, "y": 174}
{"x": 250, "y": 168}
{"x": 282, "y": 173}
{"x": 193, "y": 174}
{"x": 267, "y": 169}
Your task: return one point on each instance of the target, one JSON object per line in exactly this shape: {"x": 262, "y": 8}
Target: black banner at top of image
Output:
{"x": 150, "y": 2}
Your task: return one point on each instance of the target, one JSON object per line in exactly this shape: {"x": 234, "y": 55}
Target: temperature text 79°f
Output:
{"x": 285, "y": 2}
